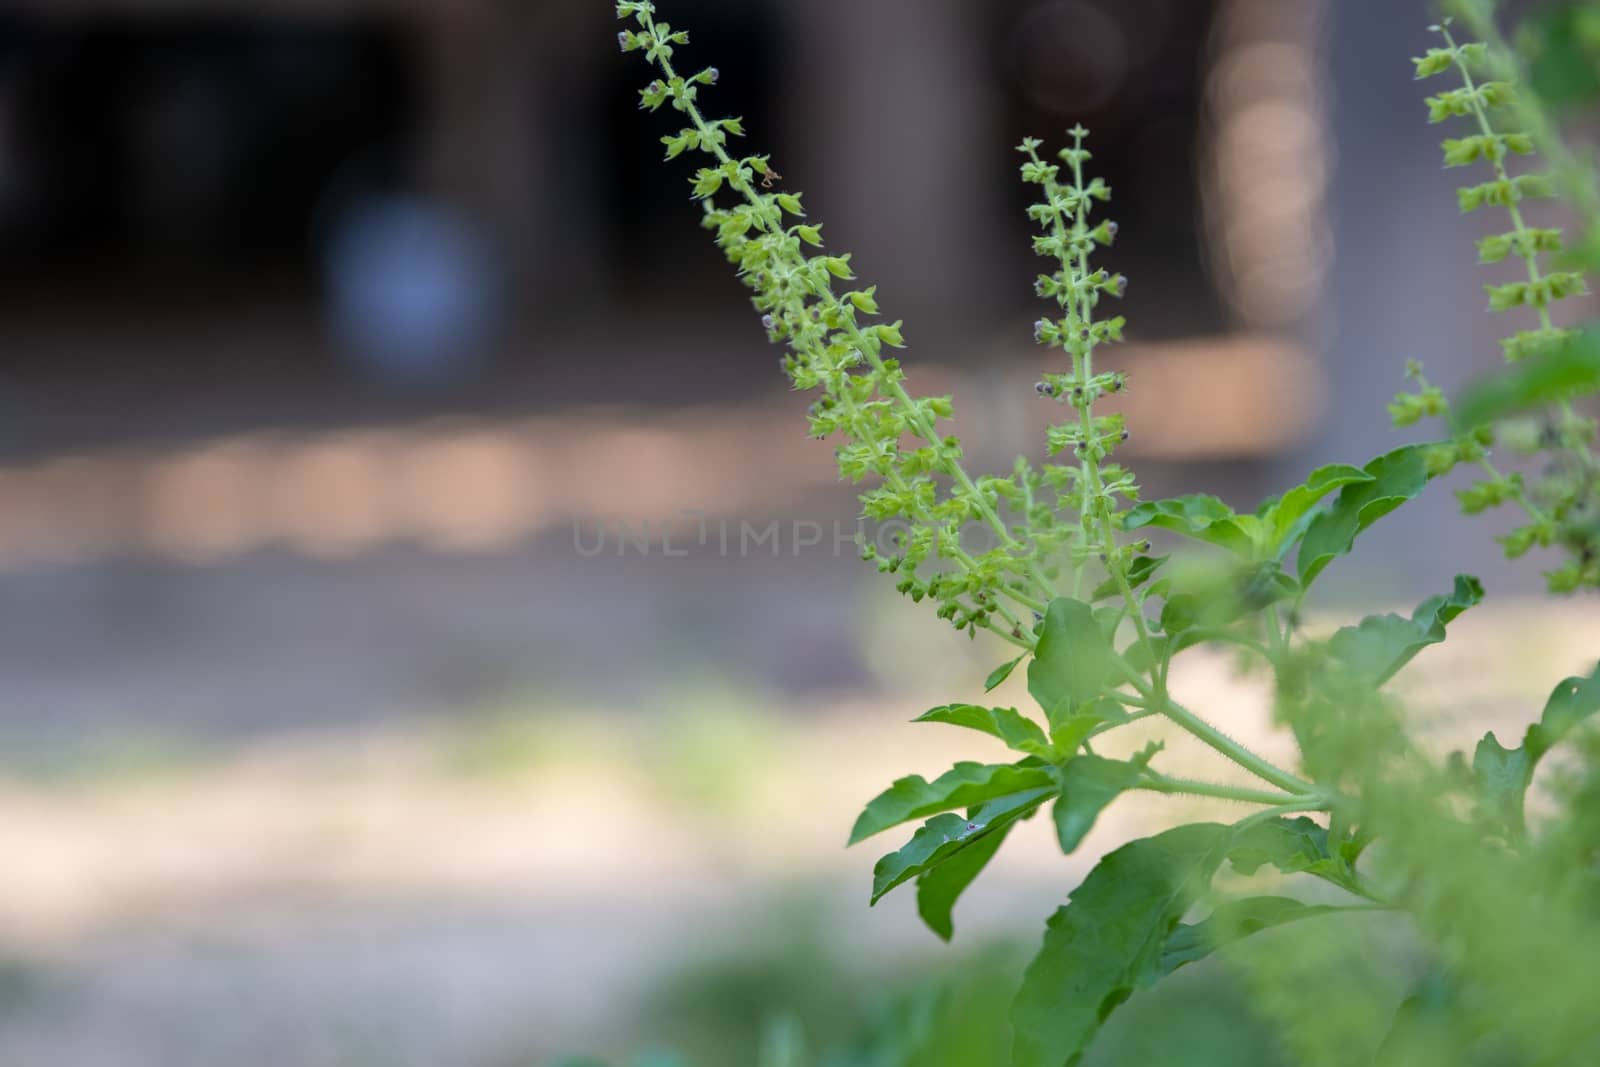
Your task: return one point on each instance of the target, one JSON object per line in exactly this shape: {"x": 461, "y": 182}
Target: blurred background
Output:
{"x": 424, "y": 635}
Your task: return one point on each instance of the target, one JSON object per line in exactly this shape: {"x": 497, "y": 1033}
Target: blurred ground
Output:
{"x": 516, "y": 881}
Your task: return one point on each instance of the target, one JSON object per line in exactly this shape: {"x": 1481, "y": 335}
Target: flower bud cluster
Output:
{"x": 1563, "y": 506}
{"x": 807, "y": 303}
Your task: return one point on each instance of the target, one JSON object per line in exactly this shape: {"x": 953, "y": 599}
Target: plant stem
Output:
{"x": 1279, "y": 636}
{"x": 1107, "y": 727}
{"x": 1026, "y": 642}
{"x": 1160, "y": 783}
{"x": 1518, "y": 493}
{"x": 1227, "y": 746}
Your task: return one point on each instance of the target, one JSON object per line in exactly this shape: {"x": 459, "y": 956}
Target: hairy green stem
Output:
{"x": 1259, "y": 766}
{"x": 1161, "y": 783}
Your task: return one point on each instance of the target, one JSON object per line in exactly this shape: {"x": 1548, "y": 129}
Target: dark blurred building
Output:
{"x": 303, "y": 216}
{"x": 172, "y": 158}
{"x": 294, "y": 286}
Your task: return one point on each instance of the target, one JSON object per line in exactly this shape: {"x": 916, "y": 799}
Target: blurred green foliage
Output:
{"x": 791, "y": 997}
{"x": 108, "y": 758}
{"x": 1561, "y": 43}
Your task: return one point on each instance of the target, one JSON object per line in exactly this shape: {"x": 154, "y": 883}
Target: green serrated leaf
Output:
{"x": 965, "y": 785}
{"x": 1397, "y": 477}
{"x": 1068, "y": 730}
{"x": 1008, "y": 724}
{"x": 1088, "y": 785}
{"x": 1230, "y": 922}
{"x": 1208, "y": 599}
{"x": 940, "y": 887}
{"x": 1001, "y": 673}
{"x": 1200, "y": 516}
{"x": 1382, "y": 644}
{"x": 1139, "y": 572}
{"x": 1288, "y": 518}
{"x": 1073, "y": 660}
{"x": 1142, "y": 657}
{"x": 1290, "y": 845}
{"x": 1571, "y": 702}
{"x": 1098, "y": 948}
{"x": 1503, "y": 775}
{"x": 1559, "y": 371}
{"x": 943, "y": 837}
{"x": 1432, "y": 1027}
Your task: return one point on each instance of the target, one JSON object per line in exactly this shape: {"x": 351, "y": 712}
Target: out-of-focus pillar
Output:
{"x": 898, "y": 118}
{"x": 483, "y": 150}
{"x": 1266, "y": 161}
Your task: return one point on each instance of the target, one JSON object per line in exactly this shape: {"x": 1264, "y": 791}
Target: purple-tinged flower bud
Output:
{"x": 1038, "y": 288}
{"x": 1125, "y": 435}
{"x": 769, "y": 322}
{"x": 1039, "y": 328}
{"x": 624, "y": 40}
{"x": 713, "y": 75}
{"x": 1044, "y": 389}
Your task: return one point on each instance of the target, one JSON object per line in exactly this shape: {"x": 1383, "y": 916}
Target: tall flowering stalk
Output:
{"x": 1563, "y": 507}
{"x": 888, "y": 432}
{"x": 1069, "y": 240}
